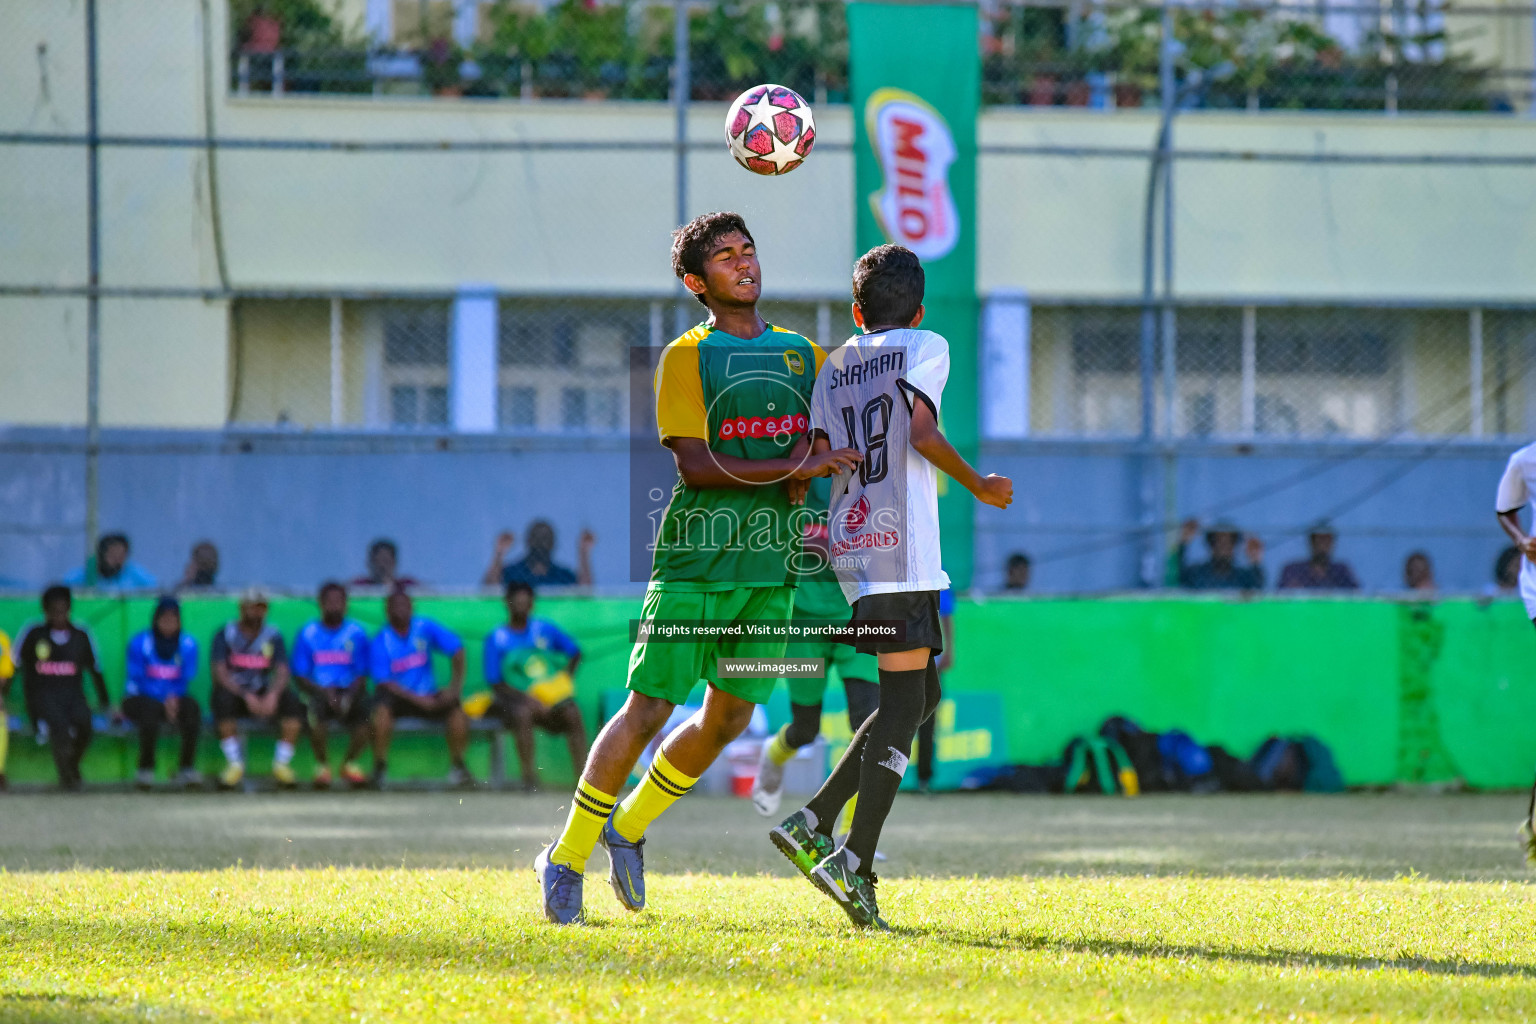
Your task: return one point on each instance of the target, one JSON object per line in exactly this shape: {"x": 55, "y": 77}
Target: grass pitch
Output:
{"x": 421, "y": 907}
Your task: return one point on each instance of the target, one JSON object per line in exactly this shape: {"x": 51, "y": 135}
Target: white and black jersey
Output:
{"x": 883, "y": 521}
{"x": 1515, "y": 490}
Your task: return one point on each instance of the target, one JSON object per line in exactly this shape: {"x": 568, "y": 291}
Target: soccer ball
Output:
{"x": 770, "y": 130}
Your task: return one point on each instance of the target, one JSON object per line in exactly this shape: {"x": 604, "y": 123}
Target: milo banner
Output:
{"x": 916, "y": 91}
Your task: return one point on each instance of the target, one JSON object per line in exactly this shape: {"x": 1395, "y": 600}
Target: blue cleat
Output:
{"x": 626, "y": 866}
{"x": 562, "y": 889}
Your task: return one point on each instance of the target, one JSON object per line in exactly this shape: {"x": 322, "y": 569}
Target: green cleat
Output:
{"x": 803, "y": 845}
{"x": 852, "y": 891}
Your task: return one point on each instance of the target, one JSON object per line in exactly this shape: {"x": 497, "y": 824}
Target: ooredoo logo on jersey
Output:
{"x": 915, "y": 148}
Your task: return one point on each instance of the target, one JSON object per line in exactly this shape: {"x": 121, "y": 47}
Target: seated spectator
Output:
{"x": 1418, "y": 573}
{"x": 330, "y": 664}
{"x": 537, "y": 568}
{"x": 529, "y": 665}
{"x": 405, "y": 687}
{"x": 250, "y": 681}
{"x": 383, "y": 563}
{"x": 1220, "y": 571}
{"x": 161, "y": 663}
{"x": 1016, "y": 572}
{"x": 1319, "y": 572}
{"x": 7, "y": 671}
{"x": 202, "y": 571}
{"x": 111, "y": 569}
{"x": 55, "y": 659}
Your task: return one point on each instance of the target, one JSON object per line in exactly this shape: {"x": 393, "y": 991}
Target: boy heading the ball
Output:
{"x": 733, "y": 406}
{"x": 880, "y": 394}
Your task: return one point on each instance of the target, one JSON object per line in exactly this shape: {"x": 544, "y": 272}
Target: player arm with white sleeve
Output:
{"x": 923, "y": 384}
{"x": 1513, "y": 496}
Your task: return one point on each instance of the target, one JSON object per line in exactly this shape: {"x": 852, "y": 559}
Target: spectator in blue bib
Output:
{"x": 161, "y": 663}
{"x": 330, "y": 664}
{"x": 111, "y": 569}
{"x": 405, "y": 686}
{"x": 530, "y": 666}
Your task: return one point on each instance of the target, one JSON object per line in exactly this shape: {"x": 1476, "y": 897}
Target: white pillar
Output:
{"x": 1475, "y": 368}
{"x": 1005, "y": 365}
{"x": 1250, "y": 370}
{"x": 379, "y": 20}
{"x": 466, "y": 22}
{"x": 338, "y": 367}
{"x": 472, "y": 362}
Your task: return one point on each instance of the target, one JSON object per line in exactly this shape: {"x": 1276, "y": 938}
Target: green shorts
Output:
{"x": 840, "y": 658}
{"x": 670, "y": 671}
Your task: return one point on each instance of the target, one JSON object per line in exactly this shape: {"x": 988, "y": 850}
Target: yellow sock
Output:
{"x": 5, "y": 737}
{"x": 847, "y": 816}
{"x": 590, "y": 808}
{"x": 660, "y": 788}
{"x": 780, "y": 752}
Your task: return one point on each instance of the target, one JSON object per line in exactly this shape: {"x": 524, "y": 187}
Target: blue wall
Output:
{"x": 1076, "y": 507}
{"x": 290, "y": 509}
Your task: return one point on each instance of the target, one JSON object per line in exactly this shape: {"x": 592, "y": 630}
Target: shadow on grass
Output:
{"x": 1271, "y": 958}
{"x": 550, "y": 950}
{"x": 56, "y": 1008}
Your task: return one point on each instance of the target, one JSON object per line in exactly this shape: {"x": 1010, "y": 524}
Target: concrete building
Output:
{"x": 253, "y": 290}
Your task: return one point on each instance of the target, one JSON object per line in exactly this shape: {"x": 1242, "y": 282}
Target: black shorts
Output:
{"x": 353, "y": 715}
{"x": 919, "y": 609}
{"x": 226, "y": 705}
{"x": 507, "y": 701}
{"x": 401, "y": 708}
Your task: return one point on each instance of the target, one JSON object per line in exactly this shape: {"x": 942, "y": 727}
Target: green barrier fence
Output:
{"x": 1401, "y": 692}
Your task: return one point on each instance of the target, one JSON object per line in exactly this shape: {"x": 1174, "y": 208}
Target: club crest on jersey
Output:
{"x": 795, "y": 361}
{"x": 856, "y": 516}
{"x": 915, "y": 147}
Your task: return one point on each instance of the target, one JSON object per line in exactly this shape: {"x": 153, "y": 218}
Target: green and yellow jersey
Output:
{"x": 748, "y": 398}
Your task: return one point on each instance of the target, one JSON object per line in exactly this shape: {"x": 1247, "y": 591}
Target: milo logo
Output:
{"x": 915, "y": 148}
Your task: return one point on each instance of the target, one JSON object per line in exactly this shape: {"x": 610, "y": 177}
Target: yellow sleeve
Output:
{"x": 680, "y": 394}
{"x": 7, "y": 665}
{"x": 821, "y": 355}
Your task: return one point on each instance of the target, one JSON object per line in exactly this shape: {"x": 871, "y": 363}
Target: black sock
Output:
{"x": 804, "y": 725}
{"x": 891, "y": 730}
{"x": 841, "y": 785}
{"x": 863, "y": 699}
{"x": 927, "y": 732}
{"x": 932, "y": 692}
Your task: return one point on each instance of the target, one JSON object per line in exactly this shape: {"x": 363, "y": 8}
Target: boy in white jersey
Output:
{"x": 880, "y": 394}
{"x": 1515, "y": 490}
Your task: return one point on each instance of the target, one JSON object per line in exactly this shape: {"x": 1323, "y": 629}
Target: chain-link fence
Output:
{"x": 1286, "y": 372}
